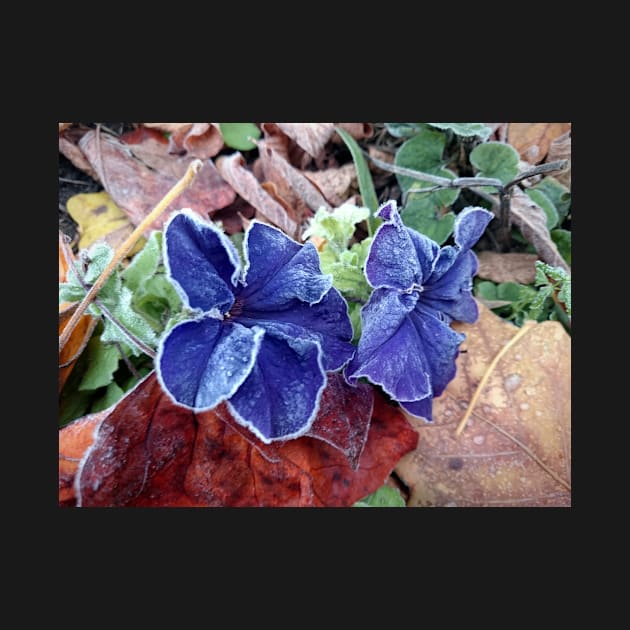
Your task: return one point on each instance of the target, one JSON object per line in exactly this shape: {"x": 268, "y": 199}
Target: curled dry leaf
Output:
{"x": 334, "y": 183}
{"x": 64, "y": 126}
{"x": 293, "y": 186}
{"x": 531, "y": 220}
{"x": 532, "y": 140}
{"x": 146, "y": 451}
{"x": 515, "y": 449}
{"x": 358, "y": 131}
{"x": 152, "y": 148}
{"x": 202, "y": 140}
{"x": 312, "y": 137}
{"x": 276, "y": 139}
{"x": 560, "y": 149}
{"x": 68, "y": 146}
{"x": 137, "y": 189}
{"x": 511, "y": 267}
{"x": 233, "y": 170}
{"x": 82, "y": 332}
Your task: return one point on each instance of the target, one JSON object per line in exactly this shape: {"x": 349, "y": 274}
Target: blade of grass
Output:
{"x": 366, "y": 185}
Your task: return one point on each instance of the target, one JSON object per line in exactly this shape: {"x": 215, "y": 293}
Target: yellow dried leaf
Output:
{"x": 515, "y": 449}
{"x": 99, "y": 218}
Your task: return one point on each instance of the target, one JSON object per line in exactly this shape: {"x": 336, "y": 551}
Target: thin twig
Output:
{"x": 559, "y": 165}
{"x": 67, "y": 180}
{"x": 125, "y": 248}
{"x": 484, "y": 379}
{"x": 529, "y": 452}
{"x": 130, "y": 366}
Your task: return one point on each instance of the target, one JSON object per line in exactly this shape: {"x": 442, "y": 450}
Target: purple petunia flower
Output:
{"x": 407, "y": 345}
{"x": 265, "y": 335}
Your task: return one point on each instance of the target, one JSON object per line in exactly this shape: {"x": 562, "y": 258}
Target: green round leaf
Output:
{"x": 236, "y": 135}
{"x": 562, "y": 239}
{"x": 421, "y": 153}
{"x": 495, "y": 159}
{"x": 404, "y": 130}
{"x": 539, "y": 197}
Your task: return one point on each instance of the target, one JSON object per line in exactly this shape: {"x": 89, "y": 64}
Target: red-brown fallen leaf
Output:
{"x": 233, "y": 170}
{"x": 510, "y": 267}
{"x": 532, "y": 140}
{"x": 148, "y": 451}
{"x": 83, "y": 331}
{"x": 152, "y": 148}
{"x": 312, "y": 137}
{"x": 560, "y": 149}
{"x": 235, "y": 217}
{"x": 63, "y": 126}
{"x": 515, "y": 449}
{"x": 276, "y": 139}
{"x": 137, "y": 189}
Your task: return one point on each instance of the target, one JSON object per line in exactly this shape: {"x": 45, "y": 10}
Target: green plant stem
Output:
{"x": 125, "y": 248}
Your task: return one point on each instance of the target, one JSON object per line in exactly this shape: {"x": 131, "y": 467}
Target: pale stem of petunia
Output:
{"x": 527, "y": 326}
{"x": 125, "y": 248}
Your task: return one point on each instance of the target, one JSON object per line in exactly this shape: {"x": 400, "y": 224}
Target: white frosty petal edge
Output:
{"x": 201, "y": 224}
{"x": 309, "y": 423}
{"x": 258, "y": 335}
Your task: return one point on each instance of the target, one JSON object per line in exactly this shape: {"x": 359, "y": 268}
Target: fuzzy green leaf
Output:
{"x": 509, "y": 291}
{"x": 465, "y": 129}
{"x": 145, "y": 263}
{"x": 237, "y": 240}
{"x": 99, "y": 256}
{"x": 236, "y": 135}
{"x": 486, "y": 290}
{"x": 385, "y": 496}
{"x": 562, "y": 239}
{"x": 124, "y": 313}
{"x": 337, "y": 226}
{"x": 497, "y": 160}
{"x": 70, "y": 292}
{"x": 102, "y": 363}
{"x": 157, "y": 301}
{"x": 347, "y": 270}
{"x": 564, "y": 295}
{"x": 539, "y": 197}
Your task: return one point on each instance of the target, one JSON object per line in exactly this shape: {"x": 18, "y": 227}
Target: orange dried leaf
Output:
{"x": 515, "y": 449}
{"x": 560, "y": 149}
{"x": 82, "y": 332}
{"x": 532, "y": 140}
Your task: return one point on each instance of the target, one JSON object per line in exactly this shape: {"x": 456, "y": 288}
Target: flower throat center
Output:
{"x": 237, "y": 309}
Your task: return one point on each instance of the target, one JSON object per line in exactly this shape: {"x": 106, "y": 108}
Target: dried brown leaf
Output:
{"x": 532, "y": 140}
{"x": 202, "y": 140}
{"x": 516, "y": 447}
{"x": 334, "y": 183}
{"x": 63, "y": 126}
{"x": 137, "y": 189}
{"x": 312, "y": 137}
{"x": 531, "y": 220}
{"x": 276, "y": 139}
{"x": 560, "y": 149}
{"x": 169, "y": 127}
{"x": 358, "y": 131}
{"x": 292, "y": 184}
{"x": 69, "y": 149}
{"x": 511, "y": 267}
{"x": 232, "y": 169}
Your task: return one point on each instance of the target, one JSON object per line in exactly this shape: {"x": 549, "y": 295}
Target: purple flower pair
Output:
{"x": 407, "y": 345}
{"x": 265, "y": 336}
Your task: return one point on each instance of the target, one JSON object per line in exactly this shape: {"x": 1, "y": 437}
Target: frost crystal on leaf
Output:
{"x": 407, "y": 345}
{"x": 264, "y": 336}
